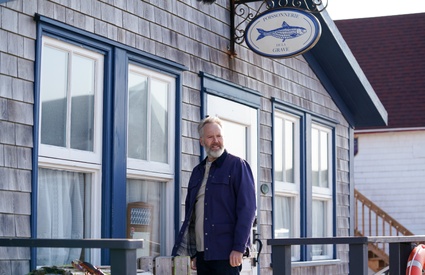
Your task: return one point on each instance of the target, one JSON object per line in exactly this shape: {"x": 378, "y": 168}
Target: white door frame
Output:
{"x": 237, "y": 114}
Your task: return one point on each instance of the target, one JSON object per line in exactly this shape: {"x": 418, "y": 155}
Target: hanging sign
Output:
{"x": 283, "y": 32}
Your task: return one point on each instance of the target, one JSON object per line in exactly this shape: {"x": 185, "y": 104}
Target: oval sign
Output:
{"x": 283, "y": 32}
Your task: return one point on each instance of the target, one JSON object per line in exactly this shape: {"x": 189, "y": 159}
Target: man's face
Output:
{"x": 212, "y": 141}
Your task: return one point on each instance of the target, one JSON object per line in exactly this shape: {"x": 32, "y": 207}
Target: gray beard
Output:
{"x": 215, "y": 154}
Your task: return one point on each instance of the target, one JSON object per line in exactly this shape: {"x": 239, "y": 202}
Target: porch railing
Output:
{"x": 400, "y": 248}
{"x": 371, "y": 220}
{"x": 123, "y": 255}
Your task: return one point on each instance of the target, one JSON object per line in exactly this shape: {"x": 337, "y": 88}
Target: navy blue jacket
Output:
{"x": 229, "y": 209}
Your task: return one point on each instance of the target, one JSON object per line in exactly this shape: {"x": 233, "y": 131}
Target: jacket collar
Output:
{"x": 219, "y": 161}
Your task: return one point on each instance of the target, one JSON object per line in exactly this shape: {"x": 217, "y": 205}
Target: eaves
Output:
{"x": 338, "y": 70}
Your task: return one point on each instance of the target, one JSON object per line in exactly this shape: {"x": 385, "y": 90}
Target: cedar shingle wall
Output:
{"x": 183, "y": 31}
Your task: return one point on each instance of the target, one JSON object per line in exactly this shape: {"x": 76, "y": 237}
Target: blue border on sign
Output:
{"x": 314, "y": 20}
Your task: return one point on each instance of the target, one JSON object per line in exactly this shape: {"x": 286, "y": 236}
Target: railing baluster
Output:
{"x": 356, "y": 214}
{"x": 363, "y": 216}
{"x": 370, "y": 221}
{"x": 375, "y": 216}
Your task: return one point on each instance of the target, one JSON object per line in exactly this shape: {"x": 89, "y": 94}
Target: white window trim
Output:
{"x": 156, "y": 171}
{"x": 325, "y": 194}
{"x": 151, "y": 166}
{"x": 280, "y": 185}
{"x": 296, "y": 196}
{"x": 289, "y": 189}
{"x": 329, "y": 226}
{"x": 328, "y": 189}
{"x": 73, "y": 154}
{"x": 54, "y": 157}
{"x": 96, "y": 189}
{"x": 169, "y": 207}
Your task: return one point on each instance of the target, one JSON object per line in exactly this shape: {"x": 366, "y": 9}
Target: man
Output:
{"x": 220, "y": 207}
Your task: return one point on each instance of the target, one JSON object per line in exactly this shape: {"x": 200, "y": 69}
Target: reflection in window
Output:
{"x": 82, "y": 104}
{"x": 137, "y": 118}
{"x": 54, "y": 85}
{"x": 320, "y": 221}
{"x": 320, "y": 157}
{"x": 148, "y": 99}
{"x": 284, "y": 150}
{"x": 67, "y": 99}
{"x": 151, "y": 194}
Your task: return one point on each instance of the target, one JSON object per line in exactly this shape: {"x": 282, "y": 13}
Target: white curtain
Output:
{"x": 60, "y": 213}
{"x": 319, "y": 224}
{"x": 284, "y": 217}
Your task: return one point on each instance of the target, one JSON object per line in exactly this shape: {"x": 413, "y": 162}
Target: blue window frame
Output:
{"x": 304, "y": 199}
{"x": 108, "y": 165}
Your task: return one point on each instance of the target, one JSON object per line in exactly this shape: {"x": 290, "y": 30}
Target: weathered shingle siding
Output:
{"x": 17, "y": 33}
{"x": 183, "y": 31}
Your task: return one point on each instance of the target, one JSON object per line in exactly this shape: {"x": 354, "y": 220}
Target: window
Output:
{"x": 106, "y": 137}
{"x": 287, "y": 177}
{"x": 150, "y": 113}
{"x": 321, "y": 188}
{"x": 69, "y": 150}
{"x": 150, "y": 165}
{"x": 303, "y": 181}
{"x": 71, "y": 101}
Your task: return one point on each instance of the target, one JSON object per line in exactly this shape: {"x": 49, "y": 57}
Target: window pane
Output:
{"x": 147, "y": 222}
{"x": 54, "y": 81}
{"x": 159, "y": 121}
{"x": 319, "y": 226}
{"x": 278, "y": 149}
{"x": 315, "y": 157}
{"x": 137, "y": 116}
{"x": 320, "y": 158}
{"x": 324, "y": 157}
{"x": 289, "y": 151}
{"x": 82, "y": 104}
{"x": 285, "y": 222}
{"x": 63, "y": 211}
{"x": 284, "y": 218}
{"x": 284, "y": 150}
{"x": 236, "y": 136}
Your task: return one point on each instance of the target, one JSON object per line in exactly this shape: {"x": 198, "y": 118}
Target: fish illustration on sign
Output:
{"x": 284, "y": 32}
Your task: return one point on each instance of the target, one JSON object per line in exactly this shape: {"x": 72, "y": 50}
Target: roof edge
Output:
{"x": 335, "y": 58}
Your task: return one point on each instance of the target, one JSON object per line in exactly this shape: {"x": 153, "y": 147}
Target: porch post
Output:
{"x": 399, "y": 253}
{"x": 358, "y": 258}
{"x": 123, "y": 261}
{"x": 281, "y": 259}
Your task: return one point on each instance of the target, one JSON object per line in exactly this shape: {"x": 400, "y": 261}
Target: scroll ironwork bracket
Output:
{"x": 244, "y": 11}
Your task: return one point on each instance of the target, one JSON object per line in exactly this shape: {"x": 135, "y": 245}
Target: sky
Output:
{"x": 349, "y": 9}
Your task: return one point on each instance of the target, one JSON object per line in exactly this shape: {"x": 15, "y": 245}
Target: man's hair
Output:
{"x": 205, "y": 121}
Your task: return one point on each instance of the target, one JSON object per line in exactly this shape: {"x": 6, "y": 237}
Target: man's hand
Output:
{"x": 235, "y": 258}
{"x": 193, "y": 264}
